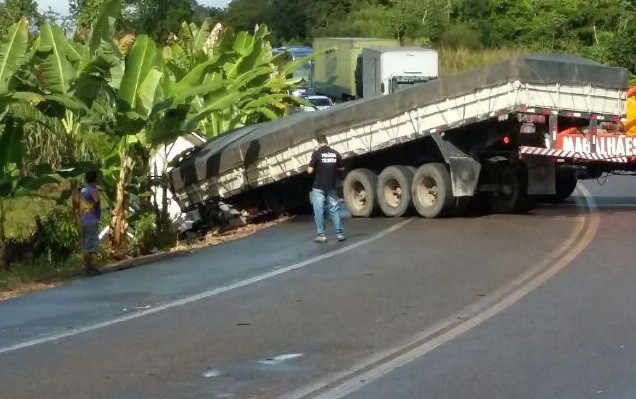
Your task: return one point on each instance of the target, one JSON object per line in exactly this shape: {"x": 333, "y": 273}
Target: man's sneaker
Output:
{"x": 341, "y": 237}
{"x": 320, "y": 239}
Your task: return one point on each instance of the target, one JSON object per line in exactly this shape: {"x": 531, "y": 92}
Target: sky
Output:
{"x": 61, "y": 6}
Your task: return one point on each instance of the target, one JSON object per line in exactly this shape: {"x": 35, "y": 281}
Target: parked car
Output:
{"x": 304, "y": 92}
{"x": 296, "y": 52}
{"x": 318, "y": 103}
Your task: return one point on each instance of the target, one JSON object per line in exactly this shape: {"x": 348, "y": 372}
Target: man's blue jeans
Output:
{"x": 319, "y": 197}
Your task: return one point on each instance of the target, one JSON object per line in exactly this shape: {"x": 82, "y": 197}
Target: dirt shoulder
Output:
{"x": 181, "y": 249}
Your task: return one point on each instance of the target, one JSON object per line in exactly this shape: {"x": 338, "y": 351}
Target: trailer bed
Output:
{"x": 257, "y": 155}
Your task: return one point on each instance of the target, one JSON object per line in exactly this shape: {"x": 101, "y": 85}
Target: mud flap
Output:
{"x": 464, "y": 170}
{"x": 541, "y": 175}
{"x": 464, "y": 173}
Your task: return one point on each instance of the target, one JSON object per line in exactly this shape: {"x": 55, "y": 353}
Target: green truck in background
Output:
{"x": 335, "y": 71}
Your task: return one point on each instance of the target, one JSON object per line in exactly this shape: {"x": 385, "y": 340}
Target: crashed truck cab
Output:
{"x": 508, "y": 134}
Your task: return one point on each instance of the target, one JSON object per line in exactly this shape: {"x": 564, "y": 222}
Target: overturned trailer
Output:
{"x": 490, "y": 131}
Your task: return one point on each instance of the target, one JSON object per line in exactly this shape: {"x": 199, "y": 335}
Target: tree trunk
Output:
{"x": 119, "y": 225}
{"x": 4, "y": 262}
{"x": 164, "y": 199}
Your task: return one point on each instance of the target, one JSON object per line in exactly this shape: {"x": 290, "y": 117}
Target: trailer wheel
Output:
{"x": 394, "y": 190}
{"x": 511, "y": 196}
{"x": 461, "y": 205}
{"x": 431, "y": 191}
{"x": 565, "y": 184}
{"x": 359, "y": 192}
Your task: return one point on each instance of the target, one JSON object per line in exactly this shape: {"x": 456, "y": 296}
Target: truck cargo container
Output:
{"x": 334, "y": 72}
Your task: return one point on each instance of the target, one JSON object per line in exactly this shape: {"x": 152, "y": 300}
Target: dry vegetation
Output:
{"x": 461, "y": 60}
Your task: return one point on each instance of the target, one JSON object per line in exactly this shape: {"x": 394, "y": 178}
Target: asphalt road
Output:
{"x": 499, "y": 306}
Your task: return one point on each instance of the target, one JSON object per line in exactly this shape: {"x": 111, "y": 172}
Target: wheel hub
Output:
{"x": 359, "y": 195}
{"x": 393, "y": 193}
{"x": 428, "y": 191}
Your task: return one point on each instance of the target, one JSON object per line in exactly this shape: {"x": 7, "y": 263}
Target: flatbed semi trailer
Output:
{"x": 491, "y": 132}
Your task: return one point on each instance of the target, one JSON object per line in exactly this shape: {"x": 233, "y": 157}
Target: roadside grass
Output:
{"x": 37, "y": 275}
{"x": 21, "y": 211}
{"x": 42, "y": 274}
{"x": 460, "y": 60}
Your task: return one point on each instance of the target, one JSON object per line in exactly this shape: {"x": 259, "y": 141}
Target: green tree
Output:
{"x": 419, "y": 18}
{"x": 288, "y": 19}
{"x": 84, "y": 13}
{"x": 621, "y": 46}
{"x": 368, "y": 20}
{"x": 208, "y": 14}
{"x": 158, "y": 18}
{"x": 246, "y": 14}
{"x": 12, "y": 11}
{"x": 327, "y": 17}
{"x": 363, "y": 19}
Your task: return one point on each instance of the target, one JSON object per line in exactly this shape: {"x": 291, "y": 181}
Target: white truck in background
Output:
{"x": 350, "y": 68}
{"x": 387, "y": 70}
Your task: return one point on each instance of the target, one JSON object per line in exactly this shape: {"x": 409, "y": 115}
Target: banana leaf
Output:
{"x": 253, "y": 78}
{"x": 56, "y": 70}
{"x": 11, "y": 145}
{"x": 219, "y": 102}
{"x": 244, "y": 43}
{"x": 142, "y": 60}
{"x": 205, "y": 89}
{"x": 12, "y": 52}
{"x": 103, "y": 28}
{"x": 149, "y": 92}
{"x": 200, "y": 35}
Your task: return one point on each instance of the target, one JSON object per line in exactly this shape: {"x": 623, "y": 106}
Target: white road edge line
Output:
{"x": 376, "y": 366}
{"x": 208, "y": 294}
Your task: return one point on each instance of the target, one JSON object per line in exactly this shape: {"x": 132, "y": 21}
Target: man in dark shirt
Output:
{"x": 325, "y": 163}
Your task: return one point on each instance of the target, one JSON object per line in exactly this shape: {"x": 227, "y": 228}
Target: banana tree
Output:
{"x": 12, "y": 52}
{"x": 147, "y": 106}
{"x": 81, "y": 84}
{"x": 149, "y": 98}
{"x": 244, "y": 64}
{"x": 54, "y": 78}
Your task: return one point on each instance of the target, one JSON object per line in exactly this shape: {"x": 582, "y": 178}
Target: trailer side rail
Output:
{"x": 489, "y": 103}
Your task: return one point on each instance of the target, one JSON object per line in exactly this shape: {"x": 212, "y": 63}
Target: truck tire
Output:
{"x": 461, "y": 205}
{"x": 512, "y": 195}
{"x": 431, "y": 191}
{"x": 565, "y": 184}
{"x": 394, "y": 190}
{"x": 359, "y": 192}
